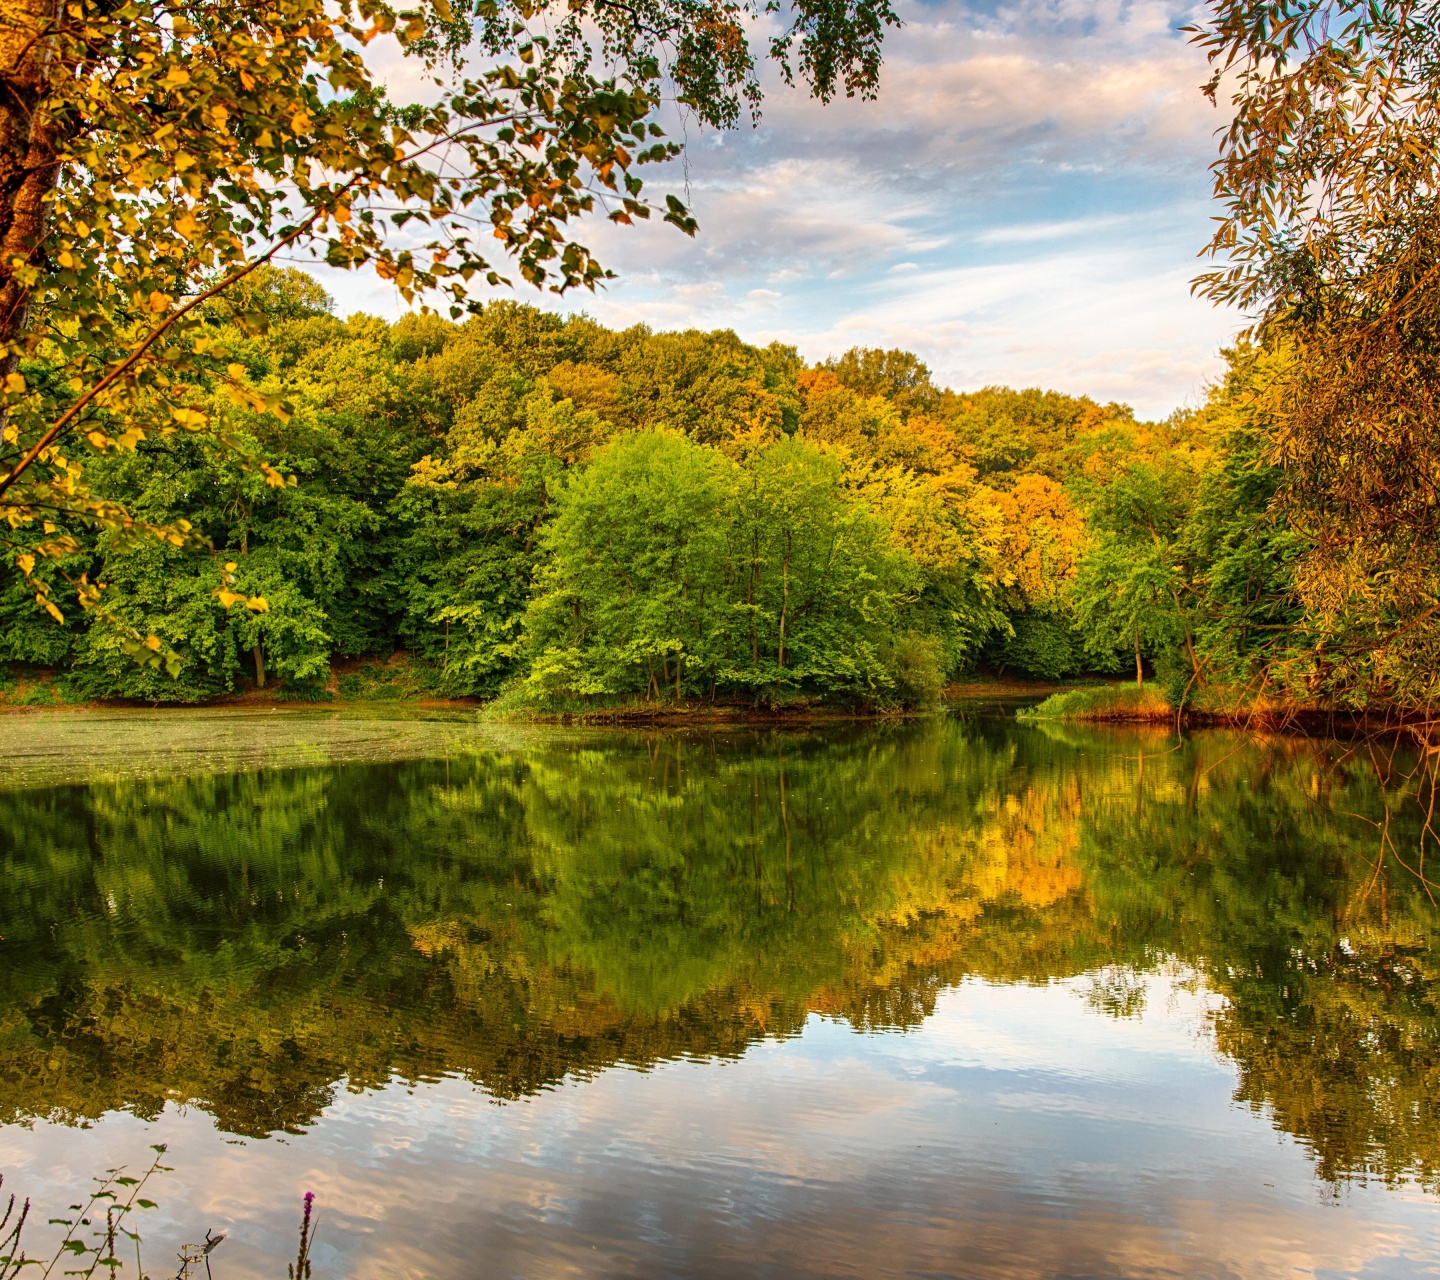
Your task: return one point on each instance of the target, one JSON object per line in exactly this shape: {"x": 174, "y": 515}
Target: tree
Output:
{"x": 1251, "y": 626}
{"x": 816, "y": 581}
{"x": 1331, "y": 233}
{"x": 899, "y": 376}
{"x": 669, "y": 566}
{"x": 1132, "y": 589}
{"x": 634, "y": 586}
{"x": 1044, "y": 538}
{"x": 475, "y": 511}
{"x": 154, "y": 154}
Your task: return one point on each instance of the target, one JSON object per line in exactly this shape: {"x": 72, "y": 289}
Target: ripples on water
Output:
{"x": 963, "y": 997}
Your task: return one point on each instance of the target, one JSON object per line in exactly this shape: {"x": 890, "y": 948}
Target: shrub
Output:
{"x": 915, "y": 669}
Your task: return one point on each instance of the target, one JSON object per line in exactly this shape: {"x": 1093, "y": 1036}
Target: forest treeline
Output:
{"x": 576, "y": 516}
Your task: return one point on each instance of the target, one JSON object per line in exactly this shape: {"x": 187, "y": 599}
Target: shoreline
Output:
{"x": 1125, "y": 704}
{"x": 661, "y": 713}
{"x": 1104, "y": 704}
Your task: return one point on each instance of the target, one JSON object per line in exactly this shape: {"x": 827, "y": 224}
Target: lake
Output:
{"x": 956, "y": 997}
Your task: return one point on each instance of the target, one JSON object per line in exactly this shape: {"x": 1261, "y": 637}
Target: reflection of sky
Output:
{"x": 1020, "y": 1132}
{"x": 1023, "y": 204}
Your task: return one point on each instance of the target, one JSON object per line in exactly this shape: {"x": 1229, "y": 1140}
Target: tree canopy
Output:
{"x": 153, "y": 155}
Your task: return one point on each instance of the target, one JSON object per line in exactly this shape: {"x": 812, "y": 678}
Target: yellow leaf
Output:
{"x": 230, "y": 566}
{"x": 26, "y": 563}
{"x": 65, "y": 258}
{"x": 257, "y": 604}
{"x": 177, "y": 75}
{"x": 158, "y": 301}
{"x": 152, "y": 642}
{"x": 301, "y": 123}
{"x": 227, "y": 598}
{"x": 98, "y": 438}
{"x": 52, "y": 610}
{"x": 236, "y": 371}
{"x": 14, "y": 383}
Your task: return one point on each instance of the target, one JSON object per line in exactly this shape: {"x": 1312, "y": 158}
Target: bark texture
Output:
{"x": 29, "y": 138}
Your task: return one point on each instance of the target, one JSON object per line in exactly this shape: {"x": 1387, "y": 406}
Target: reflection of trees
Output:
{"x": 245, "y": 942}
{"x": 1344, "y": 1050}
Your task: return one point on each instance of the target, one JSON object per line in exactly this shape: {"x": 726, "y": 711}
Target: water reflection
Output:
{"x": 253, "y": 944}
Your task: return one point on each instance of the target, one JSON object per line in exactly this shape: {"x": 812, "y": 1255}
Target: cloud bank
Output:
{"x": 1023, "y": 204}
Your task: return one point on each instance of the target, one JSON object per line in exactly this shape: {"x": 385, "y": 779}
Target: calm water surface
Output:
{"x": 960, "y": 998}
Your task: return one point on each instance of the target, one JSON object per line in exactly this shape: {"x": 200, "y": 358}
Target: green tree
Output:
{"x": 1251, "y": 625}
{"x": 1122, "y": 597}
{"x": 1133, "y": 589}
{"x": 817, "y": 581}
{"x": 633, "y": 582}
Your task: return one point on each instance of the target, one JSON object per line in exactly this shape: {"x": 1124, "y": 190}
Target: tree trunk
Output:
{"x": 751, "y": 597}
{"x": 1189, "y": 639}
{"x": 29, "y": 140}
{"x": 679, "y": 663}
{"x": 1139, "y": 670}
{"x": 784, "y": 599}
{"x": 259, "y": 666}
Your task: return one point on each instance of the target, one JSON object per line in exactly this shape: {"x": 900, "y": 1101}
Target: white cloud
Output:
{"x": 1033, "y": 232}
{"x": 1022, "y": 204}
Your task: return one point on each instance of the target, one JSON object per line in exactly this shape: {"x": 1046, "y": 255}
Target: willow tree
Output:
{"x": 153, "y": 153}
{"x": 1330, "y": 174}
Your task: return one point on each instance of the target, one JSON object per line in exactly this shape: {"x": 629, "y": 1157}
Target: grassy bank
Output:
{"x": 1213, "y": 706}
{"x": 1128, "y": 703}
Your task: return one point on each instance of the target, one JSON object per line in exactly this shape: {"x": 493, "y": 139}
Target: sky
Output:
{"x": 1023, "y": 204}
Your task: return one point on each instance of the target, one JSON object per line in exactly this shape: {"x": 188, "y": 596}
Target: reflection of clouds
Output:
{"x": 1019, "y": 1133}
{"x": 1041, "y": 164}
